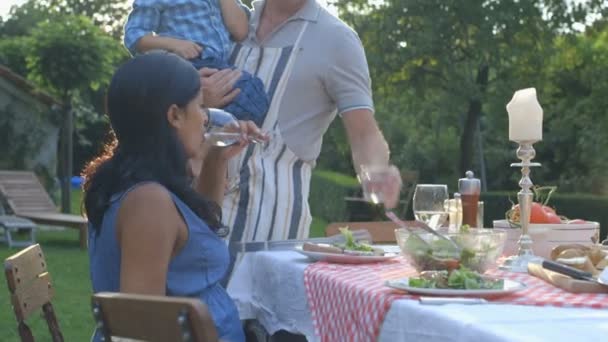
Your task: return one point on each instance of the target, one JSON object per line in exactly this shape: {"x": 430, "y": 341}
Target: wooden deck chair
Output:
{"x": 31, "y": 290}
{"x": 152, "y": 318}
{"x": 10, "y": 224}
{"x": 27, "y": 198}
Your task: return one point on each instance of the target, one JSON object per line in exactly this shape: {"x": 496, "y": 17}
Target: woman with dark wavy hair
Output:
{"x": 150, "y": 232}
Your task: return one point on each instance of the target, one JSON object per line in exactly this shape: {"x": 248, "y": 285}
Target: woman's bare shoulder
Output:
{"x": 148, "y": 202}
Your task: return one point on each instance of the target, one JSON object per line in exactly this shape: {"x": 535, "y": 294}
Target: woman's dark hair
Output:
{"x": 145, "y": 147}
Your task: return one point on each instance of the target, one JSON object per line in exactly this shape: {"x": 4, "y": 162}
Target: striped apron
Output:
{"x": 267, "y": 189}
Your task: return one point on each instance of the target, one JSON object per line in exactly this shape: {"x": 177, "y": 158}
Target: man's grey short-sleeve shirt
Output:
{"x": 330, "y": 75}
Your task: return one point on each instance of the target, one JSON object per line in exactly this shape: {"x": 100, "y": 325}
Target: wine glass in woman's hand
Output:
{"x": 223, "y": 129}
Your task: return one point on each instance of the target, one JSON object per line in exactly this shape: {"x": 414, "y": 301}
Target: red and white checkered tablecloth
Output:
{"x": 349, "y": 302}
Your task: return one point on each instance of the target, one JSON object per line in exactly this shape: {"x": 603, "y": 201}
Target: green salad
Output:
{"x": 462, "y": 278}
{"x": 351, "y": 246}
{"x": 440, "y": 254}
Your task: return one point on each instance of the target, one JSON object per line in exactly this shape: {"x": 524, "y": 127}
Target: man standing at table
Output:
{"x": 314, "y": 68}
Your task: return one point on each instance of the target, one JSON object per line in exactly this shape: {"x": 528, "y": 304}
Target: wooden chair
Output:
{"x": 28, "y": 199}
{"x": 152, "y": 318}
{"x": 381, "y": 231}
{"x": 31, "y": 290}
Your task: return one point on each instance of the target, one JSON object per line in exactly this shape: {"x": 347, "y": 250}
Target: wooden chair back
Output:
{"x": 24, "y": 193}
{"x": 152, "y": 318}
{"x": 31, "y": 290}
{"x": 381, "y": 231}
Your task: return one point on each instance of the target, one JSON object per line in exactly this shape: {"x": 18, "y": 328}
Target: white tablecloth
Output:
{"x": 269, "y": 286}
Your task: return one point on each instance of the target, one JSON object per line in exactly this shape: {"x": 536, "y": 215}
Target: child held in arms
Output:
{"x": 201, "y": 31}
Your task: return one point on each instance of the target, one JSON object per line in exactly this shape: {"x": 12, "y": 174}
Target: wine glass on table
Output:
{"x": 428, "y": 204}
{"x": 223, "y": 129}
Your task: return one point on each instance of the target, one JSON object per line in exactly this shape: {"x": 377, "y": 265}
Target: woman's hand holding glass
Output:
{"x": 224, "y": 130}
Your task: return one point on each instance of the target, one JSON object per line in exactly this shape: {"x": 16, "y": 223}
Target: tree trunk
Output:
{"x": 66, "y": 157}
{"x": 467, "y": 139}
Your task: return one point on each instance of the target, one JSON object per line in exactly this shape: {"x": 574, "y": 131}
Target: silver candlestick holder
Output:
{"x": 525, "y": 196}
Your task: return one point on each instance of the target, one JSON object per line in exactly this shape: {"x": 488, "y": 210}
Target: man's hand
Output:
{"x": 218, "y": 86}
{"x": 185, "y": 48}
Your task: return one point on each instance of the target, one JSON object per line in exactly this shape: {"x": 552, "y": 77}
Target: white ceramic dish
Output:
{"x": 510, "y": 286}
{"x": 345, "y": 258}
{"x": 548, "y": 236}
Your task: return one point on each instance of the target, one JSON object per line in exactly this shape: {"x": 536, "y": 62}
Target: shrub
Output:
{"x": 327, "y": 192}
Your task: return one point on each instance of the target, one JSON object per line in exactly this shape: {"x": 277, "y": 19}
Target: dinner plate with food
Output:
{"x": 461, "y": 282}
{"x": 349, "y": 252}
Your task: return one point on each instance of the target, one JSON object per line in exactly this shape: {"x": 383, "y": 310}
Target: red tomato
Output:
{"x": 549, "y": 209}
{"x": 537, "y": 214}
{"x": 552, "y": 218}
{"x": 540, "y": 214}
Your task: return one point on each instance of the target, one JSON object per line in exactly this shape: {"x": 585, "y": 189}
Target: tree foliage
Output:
{"x": 443, "y": 68}
{"x": 109, "y": 15}
{"x": 70, "y": 55}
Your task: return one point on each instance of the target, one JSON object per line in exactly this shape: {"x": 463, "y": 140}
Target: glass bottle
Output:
{"x": 469, "y": 189}
{"x": 455, "y": 213}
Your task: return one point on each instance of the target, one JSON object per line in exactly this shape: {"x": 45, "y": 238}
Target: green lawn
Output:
{"x": 69, "y": 268}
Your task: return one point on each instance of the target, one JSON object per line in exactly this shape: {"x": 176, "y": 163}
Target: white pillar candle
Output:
{"x": 525, "y": 116}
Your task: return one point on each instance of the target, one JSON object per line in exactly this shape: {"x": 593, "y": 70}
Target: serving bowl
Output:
{"x": 479, "y": 249}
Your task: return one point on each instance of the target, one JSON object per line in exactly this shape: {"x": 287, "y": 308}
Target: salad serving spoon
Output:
{"x": 393, "y": 217}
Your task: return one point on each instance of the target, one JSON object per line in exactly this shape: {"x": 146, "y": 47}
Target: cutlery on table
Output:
{"x": 451, "y": 300}
{"x": 570, "y": 271}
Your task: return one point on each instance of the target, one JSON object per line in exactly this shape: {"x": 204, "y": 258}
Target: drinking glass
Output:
{"x": 223, "y": 129}
{"x": 428, "y": 204}
{"x": 381, "y": 184}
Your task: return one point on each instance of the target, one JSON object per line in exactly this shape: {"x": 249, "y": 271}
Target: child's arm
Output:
{"x": 184, "y": 48}
{"x": 140, "y": 32}
{"x": 235, "y": 18}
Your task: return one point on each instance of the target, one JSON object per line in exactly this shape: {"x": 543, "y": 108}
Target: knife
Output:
{"x": 451, "y": 300}
{"x": 569, "y": 271}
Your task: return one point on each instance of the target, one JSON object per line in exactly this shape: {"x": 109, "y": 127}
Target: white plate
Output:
{"x": 544, "y": 227}
{"x": 345, "y": 258}
{"x": 510, "y": 286}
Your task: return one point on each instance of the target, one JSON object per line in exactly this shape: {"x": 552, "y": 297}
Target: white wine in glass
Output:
{"x": 428, "y": 204}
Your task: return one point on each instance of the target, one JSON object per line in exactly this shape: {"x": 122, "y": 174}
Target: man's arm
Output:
{"x": 349, "y": 85}
{"x": 235, "y": 18}
{"x": 369, "y": 148}
{"x": 365, "y": 138}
